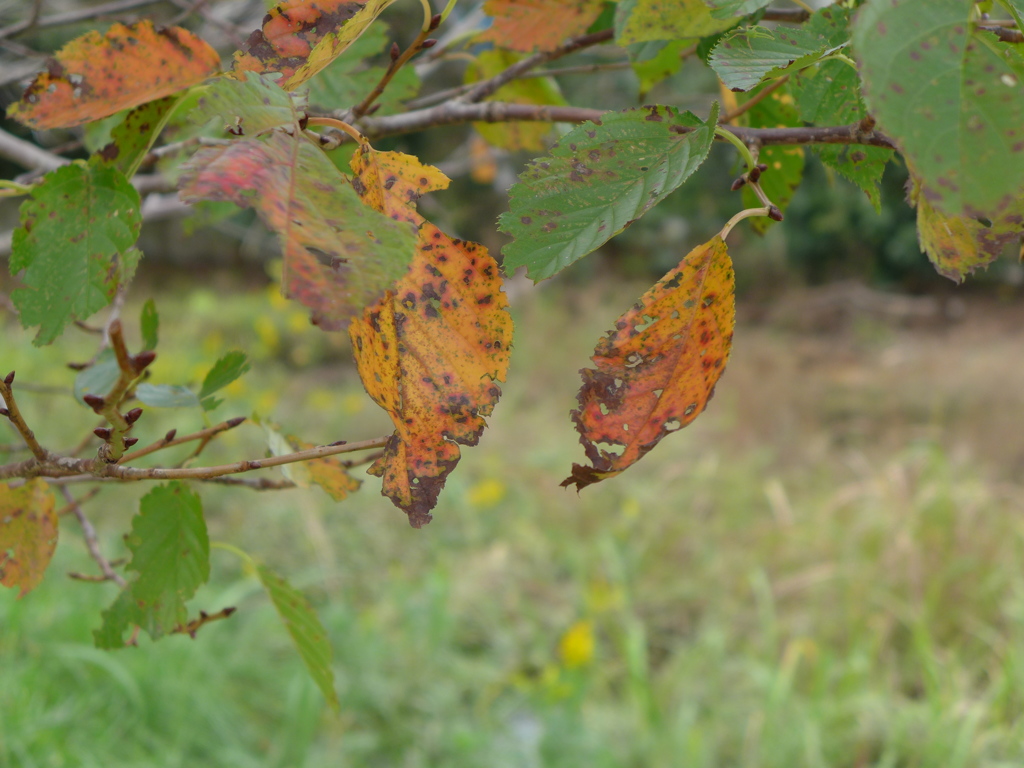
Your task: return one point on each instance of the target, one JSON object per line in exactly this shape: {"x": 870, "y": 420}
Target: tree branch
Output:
{"x": 91, "y": 541}
{"x": 456, "y": 112}
{"x": 13, "y": 413}
{"x": 487, "y": 87}
{"x": 81, "y": 470}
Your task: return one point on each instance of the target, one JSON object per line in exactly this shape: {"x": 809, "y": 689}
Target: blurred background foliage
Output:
{"x": 825, "y": 570}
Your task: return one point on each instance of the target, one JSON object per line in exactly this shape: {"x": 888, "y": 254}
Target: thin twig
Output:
{"x": 91, "y": 540}
{"x": 728, "y": 117}
{"x": 13, "y": 413}
{"x": 205, "y": 618}
{"x": 487, "y": 87}
{"x": 203, "y": 435}
{"x": 396, "y": 63}
{"x": 255, "y": 483}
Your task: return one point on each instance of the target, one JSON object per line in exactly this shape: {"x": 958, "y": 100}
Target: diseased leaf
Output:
{"x": 785, "y": 163}
{"x": 535, "y": 90}
{"x": 249, "y": 106}
{"x": 301, "y": 37}
{"x": 951, "y": 96}
{"x": 959, "y": 245}
{"x": 329, "y": 473}
{"x": 28, "y": 534}
{"x": 431, "y": 350}
{"x": 97, "y": 75}
{"x": 639, "y": 21}
{"x": 132, "y": 137}
{"x": 657, "y": 370}
{"x": 749, "y": 55}
{"x": 306, "y": 631}
{"x": 74, "y": 244}
{"x": 150, "y": 324}
{"x": 727, "y": 9}
{"x": 597, "y": 181}
{"x": 166, "y": 396}
{"x": 338, "y": 255}
{"x": 537, "y": 25}
{"x": 171, "y": 554}
{"x": 228, "y": 368}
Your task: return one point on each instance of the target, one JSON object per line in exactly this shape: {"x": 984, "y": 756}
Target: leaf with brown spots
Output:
{"x": 959, "y": 245}
{"x": 596, "y": 181}
{"x": 339, "y": 255}
{"x": 640, "y": 21}
{"x": 131, "y": 139}
{"x": 537, "y": 25}
{"x": 951, "y": 96}
{"x": 28, "y": 534}
{"x": 73, "y": 249}
{"x": 657, "y": 370}
{"x": 301, "y": 37}
{"x": 431, "y": 351}
{"x": 97, "y": 75}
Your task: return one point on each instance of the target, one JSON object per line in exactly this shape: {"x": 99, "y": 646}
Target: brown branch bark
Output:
{"x": 81, "y": 470}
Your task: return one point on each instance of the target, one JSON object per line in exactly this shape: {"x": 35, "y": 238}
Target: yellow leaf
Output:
{"x": 28, "y": 534}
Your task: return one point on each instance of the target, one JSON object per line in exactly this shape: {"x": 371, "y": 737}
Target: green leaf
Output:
{"x": 318, "y": 215}
{"x": 727, "y": 9}
{"x": 749, "y": 55}
{"x": 785, "y": 163}
{"x": 98, "y": 378}
{"x": 132, "y": 137}
{"x": 639, "y": 21}
{"x": 74, "y": 245}
{"x": 306, "y": 631}
{"x": 120, "y": 616}
{"x": 171, "y": 554}
{"x": 150, "y": 323}
{"x": 224, "y": 371}
{"x": 597, "y": 180}
{"x": 247, "y": 107}
{"x": 166, "y": 396}
{"x": 952, "y": 98}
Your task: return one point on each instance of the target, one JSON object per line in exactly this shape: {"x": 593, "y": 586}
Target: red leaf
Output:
{"x": 97, "y": 75}
{"x": 300, "y": 195}
{"x": 657, "y": 370}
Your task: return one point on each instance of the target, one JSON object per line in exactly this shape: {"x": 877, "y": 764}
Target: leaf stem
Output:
{"x": 397, "y": 63}
{"x": 744, "y": 214}
{"x": 740, "y": 145}
{"x": 341, "y": 125}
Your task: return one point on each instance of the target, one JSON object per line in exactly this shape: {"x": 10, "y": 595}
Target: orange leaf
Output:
{"x": 538, "y": 25}
{"x": 431, "y": 350}
{"x": 301, "y": 37}
{"x": 97, "y": 75}
{"x": 657, "y": 370}
{"x": 329, "y": 473}
{"x": 28, "y": 534}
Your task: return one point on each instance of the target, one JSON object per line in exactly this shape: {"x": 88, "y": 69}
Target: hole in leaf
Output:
{"x": 634, "y": 360}
{"x": 672, "y": 425}
{"x": 645, "y": 323}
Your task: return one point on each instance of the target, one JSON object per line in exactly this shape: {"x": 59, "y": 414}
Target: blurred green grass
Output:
{"x": 824, "y": 570}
